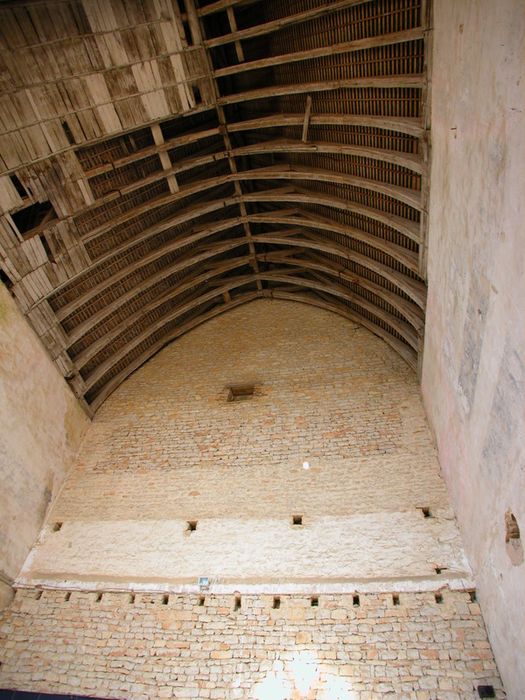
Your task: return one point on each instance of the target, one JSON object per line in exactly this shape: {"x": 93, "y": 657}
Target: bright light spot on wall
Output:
{"x": 306, "y": 465}
{"x": 273, "y": 687}
{"x": 304, "y": 670}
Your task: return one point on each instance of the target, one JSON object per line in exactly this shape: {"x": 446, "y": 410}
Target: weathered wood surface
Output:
{"x": 311, "y": 155}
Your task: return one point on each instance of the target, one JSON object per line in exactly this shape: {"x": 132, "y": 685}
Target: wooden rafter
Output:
{"x": 239, "y": 188}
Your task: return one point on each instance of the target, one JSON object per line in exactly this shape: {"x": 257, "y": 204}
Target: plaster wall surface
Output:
{"x": 41, "y": 429}
{"x": 168, "y": 448}
{"x": 474, "y": 365}
{"x": 154, "y": 646}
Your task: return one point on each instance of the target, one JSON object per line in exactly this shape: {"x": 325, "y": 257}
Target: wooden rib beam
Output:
{"x": 279, "y": 172}
{"x": 330, "y": 50}
{"x": 389, "y": 81}
{"x": 407, "y": 160}
{"x": 288, "y": 217}
{"x": 404, "y": 226}
{"x": 182, "y": 286}
{"x": 114, "y": 382}
{"x": 197, "y": 256}
{"x": 411, "y": 287}
{"x": 203, "y": 253}
{"x": 276, "y": 25}
{"x": 290, "y": 172}
{"x": 409, "y": 311}
{"x": 300, "y": 195}
{"x": 403, "y": 125}
{"x": 402, "y": 328}
{"x": 406, "y": 257}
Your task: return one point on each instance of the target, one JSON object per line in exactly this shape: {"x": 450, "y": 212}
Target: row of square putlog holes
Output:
{"x": 276, "y": 604}
{"x": 191, "y": 526}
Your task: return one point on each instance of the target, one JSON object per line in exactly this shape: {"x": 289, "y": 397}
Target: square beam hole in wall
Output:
{"x": 314, "y": 601}
{"x": 426, "y": 512}
{"x": 486, "y": 691}
{"x": 276, "y": 602}
{"x": 191, "y": 526}
{"x": 438, "y": 598}
{"x": 241, "y": 392}
{"x": 57, "y": 527}
{"x": 356, "y": 601}
{"x": 395, "y": 599}
{"x": 237, "y": 604}
{"x": 297, "y": 519}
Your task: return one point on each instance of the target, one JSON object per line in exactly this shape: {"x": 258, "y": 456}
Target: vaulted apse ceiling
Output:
{"x": 292, "y": 164}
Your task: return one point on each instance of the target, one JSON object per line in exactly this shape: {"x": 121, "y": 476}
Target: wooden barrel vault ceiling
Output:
{"x": 164, "y": 162}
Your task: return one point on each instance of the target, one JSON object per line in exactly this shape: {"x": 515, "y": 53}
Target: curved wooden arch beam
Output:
{"x": 305, "y": 219}
{"x": 274, "y": 25}
{"x": 406, "y": 160}
{"x": 322, "y": 51}
{"x": 302, "y": 195}
{"x": 114, "y": 382}
{"x": 291, "y": 172}
{"x": 411, "y": 287}
{"x": 409, "y": 311}
{"x": 382, "y": 82}
{"x": 403, "y": 328}
{"x": 221, "y": 5}
{"x": 194, "y": 236}
{"x": 275, "y": 172}
{"x": 194, "y": 281}
{"x": 409, "y": 196}
{"x": 199, "y": 255}
{"x": 404, "y": 256}
{"x": 404, "y": 125}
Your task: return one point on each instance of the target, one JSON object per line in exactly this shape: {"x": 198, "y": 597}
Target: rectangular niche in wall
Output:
{"x": 240, "y": 392}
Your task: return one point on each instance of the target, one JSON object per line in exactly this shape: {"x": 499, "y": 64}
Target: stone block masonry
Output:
{"x": 168, "y": 448}
{"x": 149, "y": 646}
